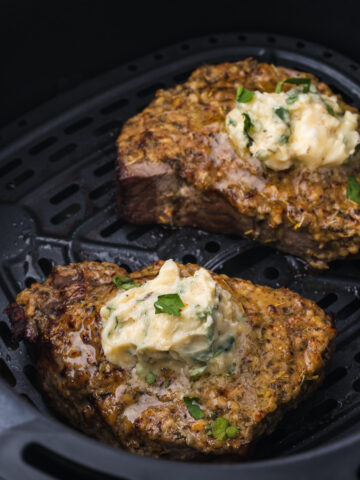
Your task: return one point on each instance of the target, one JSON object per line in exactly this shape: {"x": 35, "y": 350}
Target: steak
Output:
{"x": 176, "y": 166}
{"x": 284, "y": 353}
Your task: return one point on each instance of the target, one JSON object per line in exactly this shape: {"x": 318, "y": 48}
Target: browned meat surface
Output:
{"x": 284, "y": 357}
{"x": 176, "y": 166}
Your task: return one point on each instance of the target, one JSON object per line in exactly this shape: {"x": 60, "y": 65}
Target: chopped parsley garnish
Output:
{"x": 353, "y": 189}
{"x": 330, "y": 109}
{"x": 247, "y": 127}
{"x": 193, "y": 407}
{"x": 225, "y": 346}
{"x": 283, "y": 114}
{"x": 221, "y": 429}
{"x": 243, "y": 95}
{"x": 170, "y": 303}
{"x": 295, "y": 81}
{"x": 125, "y": 282}
{"x": 292, "y": 99}
{"x": 167, "y": 383}
{"x": 231, "y": 432}
{"x": 283, "y": 139}
{"x": 150, "y": 378}
{"x": 232, "y": 122}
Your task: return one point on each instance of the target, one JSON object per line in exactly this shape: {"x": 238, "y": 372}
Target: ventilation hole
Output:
{"x": 107, "y": 128}
{"x": 106, "y": 168}
{"x": 139, "y": 232}
{"x": 327, "y": 54}
{"x": 20, "y": 179}
{"x": 212, "y": 247}
{"x": 64, "y": 194}
{"x": 65, "y": 214}
{"x": 7, "y": 374}
{"x": 102, "y": 190}
{"x": 328, "y": 300}
{"x": 112, "y": 228}
{"x": 46, "y": 266}
{"x": 357, "y": 357}
{"x": 63, "y": 152}
{"x": 181, "y": 77}
{"x": 150, "y": 90}
{"x": 132, "y": 67}
{"x": 61, "y": 468}
{"x": 113, "y": 107}
{"x": 158, "y": 56}
{"x": 349, "y": 309}
{"x": 271, "y": 39}
{"x": 22, "y": 123}
{"x": 188, "y": 258}
{"x": 300, "y": 45}
{"x": 242, "y": 38}
{"x": 334, "y": 377}
{"x": 31, "y": 374}
{"x": 29, "y": 281}
{"x": 353, "y": 67}
{"x": 79, "y": 125}
{"x": 40, "y": 147}
{"x": 5, "y": 334}
{"x": 213, "y": 40}
{"x": 246, "y": 260}
{"x": 9, "y": 167}
{"x": 185, "y": 47}
{"x": 321, "y": 410}
{"x": 356, "y": 385}
{"x": 271, "y": 273}
{"x": 125, "y": 267}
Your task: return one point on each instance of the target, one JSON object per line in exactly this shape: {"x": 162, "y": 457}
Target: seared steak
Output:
{"x": 284, "y": 352}
{"x": 177, "y": 166}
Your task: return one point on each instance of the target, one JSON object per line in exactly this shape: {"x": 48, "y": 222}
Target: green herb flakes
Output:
{"x": 193, "y": 407}
{"x": 295, "y": 81}
{"x": 219, "y": 428}
{"x": 125, "y": 282}
{"x": 292, "y": 99}
{"x": 222, "y": 430}
{"x": 170, "y": 303}
{"x": 225, "y": 346}
{"x": 246, "y": 130}
{"x": 283, "y": 114}
{"x": 167, "y": 383}
{"x": 231, "y": 432}
{"x": 150, "y": 378}
{"x": 232, "y": 122}
{"x": 243, "y": 95}
{"x": 283, "y": 139}
{"x": 353, "y": 189}
{"x": 330, "y": 109}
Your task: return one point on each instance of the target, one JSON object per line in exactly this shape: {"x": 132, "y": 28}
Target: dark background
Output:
{"x": 50, "y": 46}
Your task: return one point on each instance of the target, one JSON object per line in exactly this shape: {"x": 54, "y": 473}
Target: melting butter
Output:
{"x": 205, "y": 333}
{"x": 294, "y": 128}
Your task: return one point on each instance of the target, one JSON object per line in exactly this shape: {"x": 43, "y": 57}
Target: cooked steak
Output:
{"x": 283, "y": 352}
{"x": 177, "y": 166}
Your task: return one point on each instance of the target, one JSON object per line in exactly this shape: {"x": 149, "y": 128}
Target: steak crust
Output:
{"x": 284, "y": 353}
{"x": 177, "y": 166}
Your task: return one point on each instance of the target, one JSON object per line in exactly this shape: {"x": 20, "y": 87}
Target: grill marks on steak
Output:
{"x": 176, "y": 166}
{"x": 283, "y": 359}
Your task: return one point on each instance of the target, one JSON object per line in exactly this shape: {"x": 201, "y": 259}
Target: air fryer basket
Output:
{"x": 58, "y": 206}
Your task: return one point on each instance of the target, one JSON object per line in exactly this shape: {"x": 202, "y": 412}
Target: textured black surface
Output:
{"x": 57, "y": 206}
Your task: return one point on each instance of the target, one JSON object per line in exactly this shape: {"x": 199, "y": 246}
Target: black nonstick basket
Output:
{"x": 57, "y": 206}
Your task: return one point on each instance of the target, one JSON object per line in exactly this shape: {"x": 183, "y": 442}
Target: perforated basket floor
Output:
{"x": 57, "y": 206}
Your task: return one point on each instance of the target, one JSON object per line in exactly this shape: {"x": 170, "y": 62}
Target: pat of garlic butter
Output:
{"x": 314, "y": 131}
{"x": 133, "y": 334}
